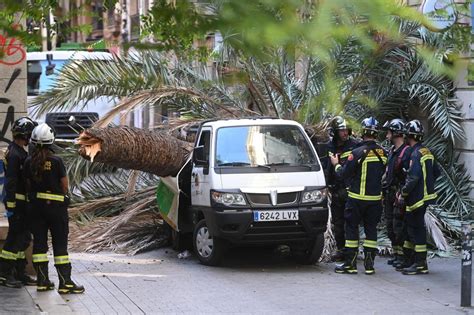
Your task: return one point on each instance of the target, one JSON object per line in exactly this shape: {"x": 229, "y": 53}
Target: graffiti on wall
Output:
{"x": 13, "y": 49}
{"x": 13, "y": 54}
{"x": 9, "y": 120}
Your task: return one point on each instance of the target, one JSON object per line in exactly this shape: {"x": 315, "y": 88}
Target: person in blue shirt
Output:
{"x": 417, "y": 193}
{"x": 363, "y": 171}
{"x": 394, "y": 178}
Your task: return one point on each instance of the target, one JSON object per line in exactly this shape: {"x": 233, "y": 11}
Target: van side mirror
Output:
{"x": 199, "y": 157}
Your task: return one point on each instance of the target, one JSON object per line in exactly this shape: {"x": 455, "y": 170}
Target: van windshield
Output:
{"x": 263, "y": 146}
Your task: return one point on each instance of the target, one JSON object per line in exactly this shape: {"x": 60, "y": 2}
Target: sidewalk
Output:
{"x": 250, "y": 281}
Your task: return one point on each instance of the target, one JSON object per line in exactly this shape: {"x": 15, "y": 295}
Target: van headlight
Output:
{"x": 316, "y": 196}
{"x": 228, "y": 199}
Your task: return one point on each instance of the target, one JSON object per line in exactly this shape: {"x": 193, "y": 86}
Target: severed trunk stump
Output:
{"x": 155, "y": 152}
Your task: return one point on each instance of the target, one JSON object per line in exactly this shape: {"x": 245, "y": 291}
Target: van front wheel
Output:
{"x": 313, "y": 252}
{"x": 209, "y": 249}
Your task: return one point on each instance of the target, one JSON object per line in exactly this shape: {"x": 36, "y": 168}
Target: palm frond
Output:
{"x": 453, "y": 188}
{"x": 434, "y": 229}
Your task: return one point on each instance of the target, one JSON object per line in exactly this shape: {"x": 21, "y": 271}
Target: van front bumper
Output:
{"x": 238, "y": 226}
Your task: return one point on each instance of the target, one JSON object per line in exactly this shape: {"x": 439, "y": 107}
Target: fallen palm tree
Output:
{"x": 156, "y": 152}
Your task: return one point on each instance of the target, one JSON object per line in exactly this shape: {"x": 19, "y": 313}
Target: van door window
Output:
{"x": 205, "y": 142}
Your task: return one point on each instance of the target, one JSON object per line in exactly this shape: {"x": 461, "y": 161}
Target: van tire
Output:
{"x": 208, "y": 249}
{"x": 313, "y": 252}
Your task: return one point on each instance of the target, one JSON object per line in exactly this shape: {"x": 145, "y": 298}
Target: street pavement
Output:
{"x": 251, "y": 280}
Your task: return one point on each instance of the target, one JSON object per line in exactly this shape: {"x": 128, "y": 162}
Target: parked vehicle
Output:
{"x": 42, "y": 72}
{"x": 252, "y": 181}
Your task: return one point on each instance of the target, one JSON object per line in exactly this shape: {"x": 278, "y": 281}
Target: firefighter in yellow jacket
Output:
{"x": 417, "y": 193}
{"x": 363, "y": 170}
{"x": 47, "y": 188}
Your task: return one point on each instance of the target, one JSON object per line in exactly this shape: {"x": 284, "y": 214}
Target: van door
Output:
{"x": 200, "y": 178}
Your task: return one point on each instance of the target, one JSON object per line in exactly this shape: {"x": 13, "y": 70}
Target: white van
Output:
{"x": 254, "y": 181}
{"x": 41, "y": 74}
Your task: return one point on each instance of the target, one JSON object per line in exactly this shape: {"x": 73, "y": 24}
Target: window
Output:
{"x": 254, "y": 146}
{"x": 205, "y": 142}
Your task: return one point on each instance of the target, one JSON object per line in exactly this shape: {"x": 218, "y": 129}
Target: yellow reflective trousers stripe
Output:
{"x": 420, "y": 248}
{"x": 8, "y": 255}
{"x": 11, "y": 204}
{"x": 21, "y": 255}
{"x": 61, "y": 260}
{"x": 47, "y": 196}
{"x": 37, "y": 258}
{"x": 370, "y": 244}
{"x": 352, "y": 243}
{"x": 408, "y": 245}
{"x": 20, "y": 197}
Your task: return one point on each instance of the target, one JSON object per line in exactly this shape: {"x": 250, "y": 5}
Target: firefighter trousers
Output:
{"x": 394, "y": 220}
{"x": 53, "y": 217}
{"x": 416, "y": 229}
{"x": 367, "y": 213}
{"x": 19, "y": 235}
{"x": 338, "y": 203}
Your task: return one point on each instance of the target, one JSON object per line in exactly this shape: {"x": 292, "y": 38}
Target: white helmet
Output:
{"x": 43, "y": 134}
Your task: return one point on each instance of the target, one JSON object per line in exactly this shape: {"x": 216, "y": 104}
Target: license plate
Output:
{"x": 276, "y": 215}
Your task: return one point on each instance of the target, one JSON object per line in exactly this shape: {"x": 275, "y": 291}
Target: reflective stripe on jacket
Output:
{"x": 364, "y": 169}
{"x": 419, "y": 186}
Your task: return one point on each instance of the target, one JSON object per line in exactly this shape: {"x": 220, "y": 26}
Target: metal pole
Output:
{"x": 466, "y": 266}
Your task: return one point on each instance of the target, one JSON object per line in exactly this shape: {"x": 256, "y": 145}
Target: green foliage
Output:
{"x": 175, "y": 26}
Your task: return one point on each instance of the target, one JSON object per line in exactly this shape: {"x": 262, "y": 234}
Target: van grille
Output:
{"x": 282, "y": 199}
{"x": 64, "y": 129}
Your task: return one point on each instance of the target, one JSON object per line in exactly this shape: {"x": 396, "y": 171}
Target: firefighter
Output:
{"x": 47, "y": 187}
{"x": 13, "y": 260}
{"x": 340, "y": 146}
{"x": 416, "y": 194}
{"x": 394, "y": 178}
{"x": 364, "y": 169}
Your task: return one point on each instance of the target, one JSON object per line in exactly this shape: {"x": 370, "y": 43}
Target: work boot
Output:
{"x": 392, "y": 260}
{"x": 399, "y": 259}
{"x": 350, "y": 264}
{"x": 66, "y": 285}
{"x": 408, "y": 260}
{"x": 42, "y": 277}
{"x": 7, "y": 274}
{"x": 420, "y": 267}
{"x": 21, "y": 274}
{"x": 338, "y": 256}
{"x": 369, "y": 257}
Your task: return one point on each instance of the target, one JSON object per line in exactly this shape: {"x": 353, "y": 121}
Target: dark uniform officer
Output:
{"x": 417, "y": 193}
{"x": 47, "y": 187}
{"x": 340, "y": 145}
{"x": 13, "y": 260}
{"x": 394, "y": 179}
{"x": 364, "y": 169}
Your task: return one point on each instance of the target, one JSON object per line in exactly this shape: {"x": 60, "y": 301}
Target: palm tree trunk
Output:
{"x": 155, "y": 152}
